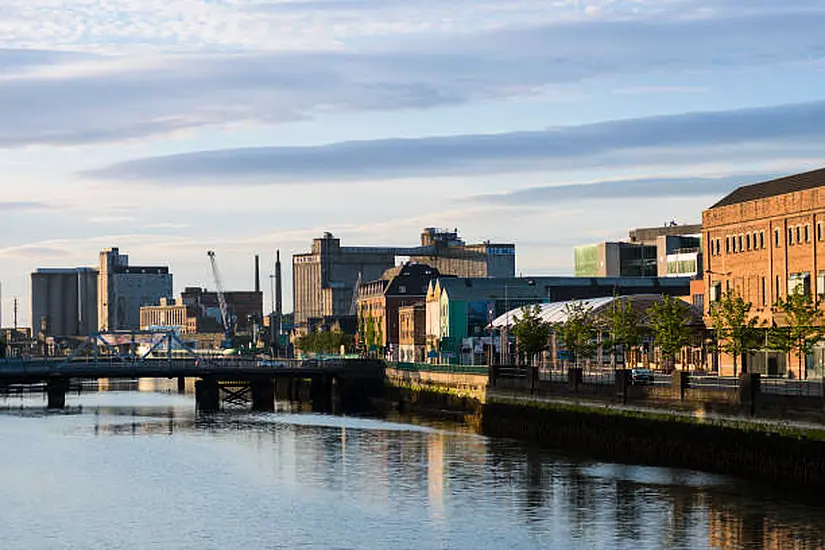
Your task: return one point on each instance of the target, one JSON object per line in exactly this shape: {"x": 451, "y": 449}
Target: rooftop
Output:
{"x": 775, "y": 187}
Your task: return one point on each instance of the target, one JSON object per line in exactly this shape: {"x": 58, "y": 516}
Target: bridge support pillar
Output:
{"x": 320, "y": 394}
{"x": 181, "y": 384}
{"x": 56, "y": 393}
{"x": 263, "y": 394}
{"x": 207, "y": 395}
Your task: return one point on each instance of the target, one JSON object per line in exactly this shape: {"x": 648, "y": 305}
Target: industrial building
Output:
{"x": 64, "y": 302}
{"x": 669, "y": 251}
{"x": 324, "y": 279}
{"x": 124, "y": 289}
{"x": 244, "y": 307}
{"x": 763, "y": 242}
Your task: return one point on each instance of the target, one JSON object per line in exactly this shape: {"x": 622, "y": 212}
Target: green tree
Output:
{"x": 802, "y": 327}
{"x": 669, "y": 321}
{"x": 623, "y": 325}
{"x": 736, "y": 331}
{"x": 532, "y": 332}
{"x": 325, "y": 342}
{"x": 578, "y": 332}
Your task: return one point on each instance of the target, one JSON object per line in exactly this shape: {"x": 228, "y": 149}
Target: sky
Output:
{"x": 171, "y": 127}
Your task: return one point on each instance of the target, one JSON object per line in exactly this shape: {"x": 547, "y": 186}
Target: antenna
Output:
{"x": 15, "y": 313}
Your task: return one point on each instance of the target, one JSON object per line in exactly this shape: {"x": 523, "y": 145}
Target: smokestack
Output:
{"x": 278, "y": 303}
{"x": 257, "y": 273}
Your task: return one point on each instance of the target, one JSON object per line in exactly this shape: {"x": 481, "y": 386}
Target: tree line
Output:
{"x": 668, "y": 325}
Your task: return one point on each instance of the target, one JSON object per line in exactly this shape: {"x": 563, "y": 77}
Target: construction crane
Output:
{"x": 228, "y": 328}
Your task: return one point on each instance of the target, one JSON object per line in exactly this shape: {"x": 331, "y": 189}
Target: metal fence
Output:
{"x": 784, "y": 386}
{"x": 713, "y": 382}
{"x": 445, "y": 368}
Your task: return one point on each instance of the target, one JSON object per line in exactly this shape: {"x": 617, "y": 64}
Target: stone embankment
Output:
{"x": 717, "y": 432}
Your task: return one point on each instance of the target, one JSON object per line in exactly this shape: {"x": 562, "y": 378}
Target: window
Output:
{"x": 727, "y": 245}
{"x": 807, "y": 235}
{"x": 778, "y": 288}
{"x": 762, "y": 240}
{"x": 777, "y": 238}
{"x": 798, "y": 234}
{"x": 740, "y": 243}
{"x": 748, "y": 241}
{"x": 819, "y": 231}
{"x": 799, "y": 282}
{"x": 764, "y": 293}
{"x": 727, "y": 287}
{"x": 718, "y": 246}
{"x": 790, "y": 236}
{"x": 716, "y": 292}
{"x": 820, "y": 285}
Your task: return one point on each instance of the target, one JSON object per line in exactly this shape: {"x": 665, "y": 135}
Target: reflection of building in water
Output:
{"x": 741, "y": 528}
{"x": 435, "y": 475}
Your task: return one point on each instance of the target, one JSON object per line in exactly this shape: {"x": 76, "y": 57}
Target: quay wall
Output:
{"x": 678, "y": 434}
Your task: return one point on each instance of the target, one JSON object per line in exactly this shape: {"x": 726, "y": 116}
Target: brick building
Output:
{"x": 380, "y": 300}
{"x": 412, "y": 334}
{"x": 764, "y": 240}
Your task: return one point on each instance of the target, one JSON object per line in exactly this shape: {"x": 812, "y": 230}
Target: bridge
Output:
{"x": 162, "y": 354}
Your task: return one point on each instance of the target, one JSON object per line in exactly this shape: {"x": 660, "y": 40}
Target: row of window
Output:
{"x": 800, "y": 280}
{"x": 756, "y": 240}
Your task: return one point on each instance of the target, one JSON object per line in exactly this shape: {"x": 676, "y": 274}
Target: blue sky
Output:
{"x": 169, "y": 127}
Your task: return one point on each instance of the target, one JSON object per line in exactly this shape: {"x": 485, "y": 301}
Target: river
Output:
{"x": 140, "y": 469}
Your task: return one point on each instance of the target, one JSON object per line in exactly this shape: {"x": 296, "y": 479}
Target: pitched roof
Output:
{"x": 772, "y": 188}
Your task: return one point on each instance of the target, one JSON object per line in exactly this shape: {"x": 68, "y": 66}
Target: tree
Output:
{"x": 531, "y": 331}
{"x": 578, "y": 332}
{"x": 623, "y": 325}
{"x": 325, "y": 341}
{"x": 736, "y": 331}
{"x": 802, "y": 327}
{"x": 669, "y": 321}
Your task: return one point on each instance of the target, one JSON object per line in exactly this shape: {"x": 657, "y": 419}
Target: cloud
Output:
{"x": 686, "y": 138}
{"x": 623, "y": 189}
{"x": 137, "y": 96}
{"x": 22, "y": 206}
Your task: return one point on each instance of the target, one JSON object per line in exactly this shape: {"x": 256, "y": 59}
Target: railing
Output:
{"x": 800, "y": 388}
{"x": 713, "y": 382}
{"x": 445, "y": 368}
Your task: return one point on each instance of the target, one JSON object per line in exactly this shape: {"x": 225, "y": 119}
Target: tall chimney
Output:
{"x": 278, "y": 297}
{"x": 257, "y": 273}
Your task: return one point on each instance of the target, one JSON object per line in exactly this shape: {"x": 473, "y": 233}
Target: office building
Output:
{"x": 669, "y": 251}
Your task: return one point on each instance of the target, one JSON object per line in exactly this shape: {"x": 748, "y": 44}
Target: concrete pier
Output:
{"x": 56, "y": 393}
{"x": 207, "y": 395}
{"x": 181, "y": 384}
{"x": 263, "y": 395}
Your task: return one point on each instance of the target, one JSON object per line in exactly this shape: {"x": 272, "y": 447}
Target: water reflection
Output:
{"x": 287, "y": 479}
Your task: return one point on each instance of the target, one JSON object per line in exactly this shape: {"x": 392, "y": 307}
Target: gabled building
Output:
{"x": 380, "y": 300}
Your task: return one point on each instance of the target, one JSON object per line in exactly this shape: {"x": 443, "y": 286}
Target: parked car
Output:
{"x": 641, "y": 376}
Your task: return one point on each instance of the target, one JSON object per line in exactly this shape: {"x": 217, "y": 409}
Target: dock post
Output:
{"x": 207, "y": 395}
{"x": 181, "y": 384}
{"x": 56, "y": 393}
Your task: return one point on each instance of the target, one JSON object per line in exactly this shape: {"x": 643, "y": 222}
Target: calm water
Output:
{"x": 131, "y": 469}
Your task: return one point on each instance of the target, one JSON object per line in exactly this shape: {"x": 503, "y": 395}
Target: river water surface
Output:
{"x": 140, "y": 469}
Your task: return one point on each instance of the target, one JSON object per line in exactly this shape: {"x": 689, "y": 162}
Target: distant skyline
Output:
{"x": 170, "y": 127}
